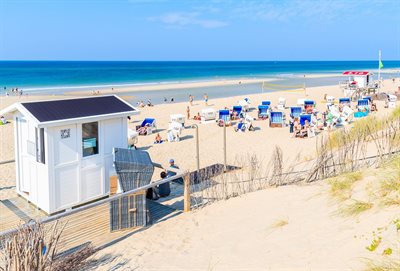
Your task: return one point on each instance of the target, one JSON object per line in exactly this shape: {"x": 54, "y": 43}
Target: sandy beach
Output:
{"x": 216, "y": 238}
{"x": 239, "y": 145}
{"x": 188, "y": 85}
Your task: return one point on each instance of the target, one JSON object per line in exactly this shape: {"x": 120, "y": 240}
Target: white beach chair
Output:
{"x": 330, "y": 100}
{"x": 174, "y": 131}
{"x": 281, "y": 103}
{"x": 300, "y": 102}
{"x": 178, "y": 118}
{"x": 208, "y": 115}
{"x": 244, "y": 104}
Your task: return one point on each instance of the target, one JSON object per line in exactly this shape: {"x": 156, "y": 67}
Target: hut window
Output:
{"x": 90, "y": 138}
{"x": 40, "y": 157}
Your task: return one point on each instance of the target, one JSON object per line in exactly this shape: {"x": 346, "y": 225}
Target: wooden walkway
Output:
{"x": 17, "y": 211}
{"x": 90, "y": 225}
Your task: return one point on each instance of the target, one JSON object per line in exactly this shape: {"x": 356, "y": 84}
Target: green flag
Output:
{"x": 380, "y": 64}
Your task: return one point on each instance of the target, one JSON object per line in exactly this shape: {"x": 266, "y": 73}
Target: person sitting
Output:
{"x": 373, "y": 107}
{"x": 197, "y": 117}
{"x": 296, "y": 127}
{"x": 149, "y": 104}
{"x": 141, "y": 104}
{"x": 143, "y": 130}
{"x": 235, "y": 115}
{"x": 304, "y": 129}
{"x": 158, "y": 139}
{"x": 163, "y": 190}
{"x": 3, "y": 120}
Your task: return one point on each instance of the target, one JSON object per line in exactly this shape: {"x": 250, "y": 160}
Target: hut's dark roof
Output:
{"x": 76, "y": 108}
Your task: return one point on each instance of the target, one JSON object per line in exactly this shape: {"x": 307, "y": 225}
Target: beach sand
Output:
{"x": 188, "y": 85}
{"x": 285, "y": 228}
{"x": 235, "y": 233}
{"x": 239, "y": 145}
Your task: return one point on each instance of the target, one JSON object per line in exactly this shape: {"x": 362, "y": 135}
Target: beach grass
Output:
{"x": 355, "y": 208}
{"x": 340, "y": 186}
{"x": 389, "y": 177}
{"x": 363, "y": 129}
{"x": 396, "y": 113}
{"x": 280, "y": 223}
{"x": 385, "y": 265}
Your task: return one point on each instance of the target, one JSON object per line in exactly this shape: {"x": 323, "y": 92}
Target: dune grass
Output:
{"x": 280, "y": 223}
{"x": 389, "y": 184}
{"x": 355, "y": 208}
{"x": 362, "y": 129}
{"x": 385, "y": 265}
{"x": 396, "y": 113}
{"x": 340, "y": 186}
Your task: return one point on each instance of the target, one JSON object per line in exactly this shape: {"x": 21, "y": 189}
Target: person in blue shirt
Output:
{"x": 163, "y": 189}
{"x": 172, "y": 170}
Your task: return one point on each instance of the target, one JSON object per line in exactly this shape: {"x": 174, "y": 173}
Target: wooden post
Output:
{"x": 186, "y": 193}
{"x": 224, "y": 147}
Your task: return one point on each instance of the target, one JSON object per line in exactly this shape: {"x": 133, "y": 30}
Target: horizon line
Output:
{"x": 85, "y": 60}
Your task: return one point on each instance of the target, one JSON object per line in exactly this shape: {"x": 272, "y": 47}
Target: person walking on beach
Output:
{"x": 191, "y": 99}
{"x": 188, "y": 112}
{"x": 205, "y": 99}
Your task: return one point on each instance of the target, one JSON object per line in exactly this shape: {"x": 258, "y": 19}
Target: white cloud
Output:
{"x": 310, "y": 10}
{"x": 180, "y": 19}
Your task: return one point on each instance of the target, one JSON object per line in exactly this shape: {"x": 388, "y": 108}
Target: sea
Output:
{"x": 57, "y": 77}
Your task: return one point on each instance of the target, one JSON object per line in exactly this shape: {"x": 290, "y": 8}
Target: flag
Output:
{"x": 380, "y": 64}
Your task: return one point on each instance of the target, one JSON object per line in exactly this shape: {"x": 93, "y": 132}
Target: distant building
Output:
{"x": 63, "y": 148}
{"x": 361, "y": 79}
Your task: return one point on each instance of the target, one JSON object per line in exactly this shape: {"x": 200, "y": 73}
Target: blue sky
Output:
{"x": 199, "y": 30}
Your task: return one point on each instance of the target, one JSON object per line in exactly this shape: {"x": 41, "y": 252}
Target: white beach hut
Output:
{"x": 63, "y": 148}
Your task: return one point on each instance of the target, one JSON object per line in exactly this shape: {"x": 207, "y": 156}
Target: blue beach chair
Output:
{"x": 295, "y": 111}
{"x": 276, "y": 119}
{"x": 363, "y": 103}
{"x": 149, "y": 123}
{"x": 305, "y": 117}
{"x": 344, "y": 101}
{"x": 224, "y": 118}
{"x": 263, "y": 111}
{"x": 369, "y": 98}
{"x": 238, "y": 109}
{"x": 309, "y": 105}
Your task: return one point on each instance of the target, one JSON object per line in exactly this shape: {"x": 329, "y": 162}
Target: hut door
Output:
{"x": 128, "y": 212}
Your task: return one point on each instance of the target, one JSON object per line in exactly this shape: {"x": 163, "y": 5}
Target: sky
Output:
{"x": 199, "y": 30}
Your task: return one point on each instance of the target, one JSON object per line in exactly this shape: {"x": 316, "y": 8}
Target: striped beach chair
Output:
{"x": 224, "y": 118}
{"x": 263, "y": 111}
{"x": 276, "y": 119}
{"x": 237, "y": 111}
{"x": 295, "y": 111}
{"x": 304, "y": 117}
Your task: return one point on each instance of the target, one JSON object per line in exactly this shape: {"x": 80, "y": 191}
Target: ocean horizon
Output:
{"x": 60, "y": 76}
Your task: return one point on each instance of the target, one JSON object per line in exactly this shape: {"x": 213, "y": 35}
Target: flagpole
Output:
{"x": 379, "y": 64}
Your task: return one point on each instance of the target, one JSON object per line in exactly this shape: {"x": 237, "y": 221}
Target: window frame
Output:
{"x": 97, "y": 148}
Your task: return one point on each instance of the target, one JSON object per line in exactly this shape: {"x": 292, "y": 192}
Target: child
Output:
{"x": 188, "y": 112}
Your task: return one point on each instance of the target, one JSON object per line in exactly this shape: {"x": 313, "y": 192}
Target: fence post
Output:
{"x": 224, "y": 147}
{"x": 186, "y": 193}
